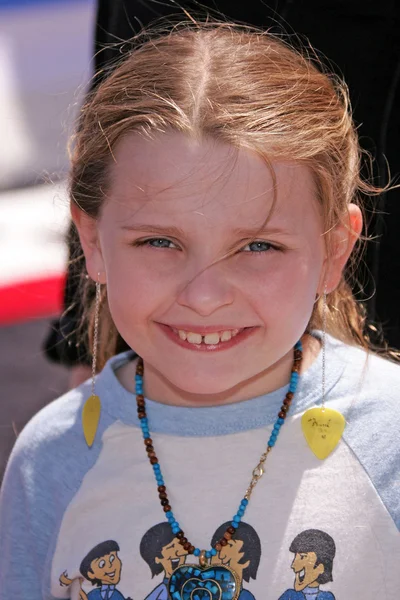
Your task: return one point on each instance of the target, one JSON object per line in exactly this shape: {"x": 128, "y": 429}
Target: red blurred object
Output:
{"x": 26, "y": 300}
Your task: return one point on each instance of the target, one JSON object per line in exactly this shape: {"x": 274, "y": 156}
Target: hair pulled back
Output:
{"x": 242, "y": 87}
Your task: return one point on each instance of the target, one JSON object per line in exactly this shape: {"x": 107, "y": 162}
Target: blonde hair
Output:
{"x": 243, "y": 87}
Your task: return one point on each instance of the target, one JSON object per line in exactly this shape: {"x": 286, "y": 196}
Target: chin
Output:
{"x": 201, "y": 386}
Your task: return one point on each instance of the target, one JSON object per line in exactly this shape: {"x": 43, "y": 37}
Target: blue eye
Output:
{"x": 159, "y": 243}
{"x": 258, "y": 247}
{"x": 156, "y": 243}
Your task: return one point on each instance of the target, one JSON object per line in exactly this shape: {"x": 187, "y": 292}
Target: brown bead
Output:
{"x": 191, "y": 549}
{"x": 162, "y": 495}
{"x": 231, "y": 529}
{"x": 296, "y": 367}
{"x": 282, "y": 415}
{"x": 151, "y": 453}
{"x": 289, "y": 395}
{"x": 164, "y": 502}
{"x": 141, "y": 406}
{"x": 183, "y": 541}
{"x": 154, "y": 460}
{"x": 227, "y": 535}
{"x": 141, "y": 415}
{"x": 167, "y": 508}
{"x": 139, "y": 398}
{"x": 287, "y": 402}
{"x": 161, "y": 488}
{"x": 218, "y": 547}
{"x": 187, "y": 546}
{"x": 148, "y": 442}
{"x": 223, "y": 542}
{"x": 180, "y": 534}
{"x": 284, "y": 408}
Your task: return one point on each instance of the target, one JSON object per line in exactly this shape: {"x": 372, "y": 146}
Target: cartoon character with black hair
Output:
{"x": 102, "y": 567}
{"x": 314, "y": 551}
{"x": 242, "y": 554}
{"x": 161, "y": 550}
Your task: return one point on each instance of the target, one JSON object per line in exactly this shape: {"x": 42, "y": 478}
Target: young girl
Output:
{"x": 248, "y": 448}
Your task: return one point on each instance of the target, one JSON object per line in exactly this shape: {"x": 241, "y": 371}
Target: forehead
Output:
{"x": 176, "y": 176}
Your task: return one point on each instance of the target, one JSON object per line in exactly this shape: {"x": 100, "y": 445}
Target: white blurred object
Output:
{"x": 17, "y": 146}
{"x": 45, "y": 64}
{"x": 33, "y": 226}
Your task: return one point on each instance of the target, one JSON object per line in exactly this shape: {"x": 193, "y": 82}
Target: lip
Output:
{"x": 240, "y": 337}
{"x": 203, "y": 329}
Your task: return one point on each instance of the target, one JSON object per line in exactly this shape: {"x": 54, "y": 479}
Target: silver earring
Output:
{"x": 92, "y": 408}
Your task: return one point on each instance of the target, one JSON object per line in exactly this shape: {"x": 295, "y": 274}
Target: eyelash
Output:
{"x": 141, "y": 243}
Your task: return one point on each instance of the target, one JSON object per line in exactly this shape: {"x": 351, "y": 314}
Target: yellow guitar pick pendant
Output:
{"x": 90, "y": 418}
{"x": 322, "y": 427}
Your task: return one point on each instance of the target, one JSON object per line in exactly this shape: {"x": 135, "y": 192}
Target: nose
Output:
{"x": 207, "y": 291}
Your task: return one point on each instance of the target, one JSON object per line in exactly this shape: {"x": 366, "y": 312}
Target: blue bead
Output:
{"x": 169, "y": 514}
{"x": 236, "y": 518}
{"x": 213, "y": 552}
{"x": 196, "y": 552}
{"x": 240, "y": 512}
{"x": 235, "y": 524}
{"x": 208, "y": 554}
{"x": 245, "y": 501}
{"x": 280, "y": 421}
{"x": 271, "y": 443}
{"x": 299, "y": 345}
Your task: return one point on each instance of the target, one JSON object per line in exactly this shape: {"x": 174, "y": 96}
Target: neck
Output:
{"x": 160, "y": 389}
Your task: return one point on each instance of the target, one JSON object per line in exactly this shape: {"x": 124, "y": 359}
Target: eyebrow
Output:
{"x": 177, "y": 232}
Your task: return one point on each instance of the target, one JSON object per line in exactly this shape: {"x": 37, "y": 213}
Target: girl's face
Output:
{"x": 175, "y": 208}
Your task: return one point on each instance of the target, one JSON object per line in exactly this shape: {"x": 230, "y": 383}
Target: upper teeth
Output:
{"x": 209, "y": 338}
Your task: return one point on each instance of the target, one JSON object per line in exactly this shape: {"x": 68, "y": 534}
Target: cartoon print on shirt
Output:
{"x": 242, "y": 554}
{"x": 102, "y": 568}
{"x": 314, "y": 551}
{"x": 161, "y": 550}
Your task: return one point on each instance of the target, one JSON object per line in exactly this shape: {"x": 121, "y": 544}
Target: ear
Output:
{"x": 88, "y": 235}
{"x": 343, "y": 238}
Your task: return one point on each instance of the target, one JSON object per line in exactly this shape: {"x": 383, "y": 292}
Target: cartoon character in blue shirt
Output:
{"x": 242, "y": 554}
{"x": 102, "y": 567}
{"x": 314, "y": 551}
{"x": 163, "y": 553}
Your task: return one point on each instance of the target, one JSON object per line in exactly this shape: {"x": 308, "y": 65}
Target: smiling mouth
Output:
{"x": 200, "y": 344}
{"x": 301, "y": 575}
{"x": 175, "y": 562}
{"x": 111, "y": 575}
{"x": 226, "y": 563}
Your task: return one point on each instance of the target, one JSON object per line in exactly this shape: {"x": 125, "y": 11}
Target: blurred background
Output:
{"x": 45, "y": 65}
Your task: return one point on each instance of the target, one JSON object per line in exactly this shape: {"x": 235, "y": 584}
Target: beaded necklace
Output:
{"x": 214, "y": 582}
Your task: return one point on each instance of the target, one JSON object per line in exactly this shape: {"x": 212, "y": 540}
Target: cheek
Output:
{"x": 287, "y": 286}
{"x": 135, "y": 285}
